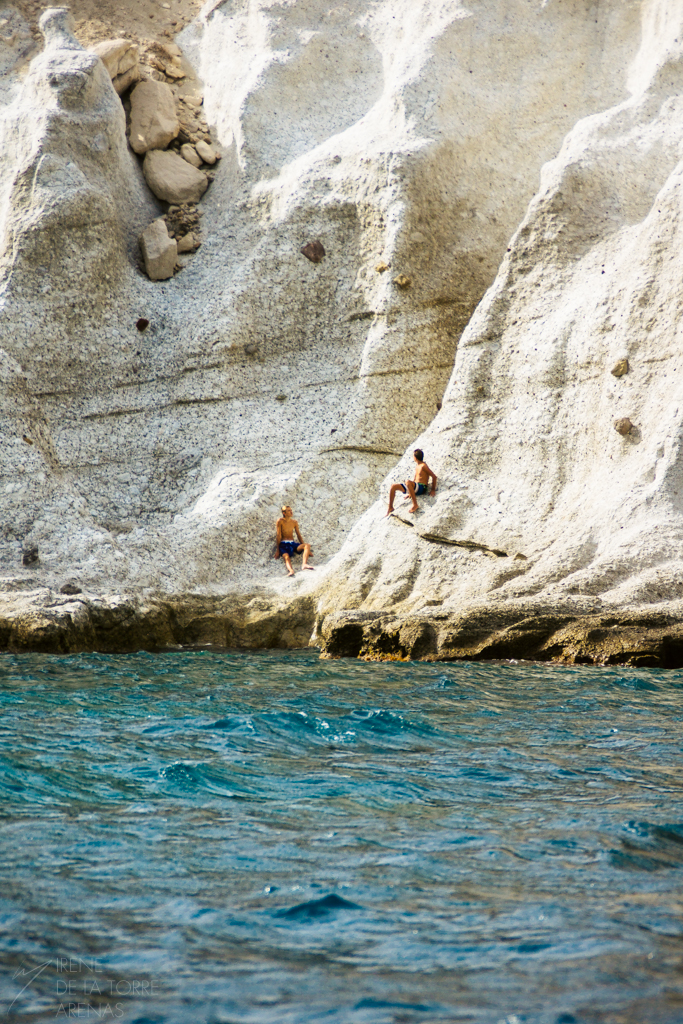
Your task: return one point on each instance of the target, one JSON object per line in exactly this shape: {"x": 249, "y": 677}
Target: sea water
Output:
{"x": 202, "y": 837}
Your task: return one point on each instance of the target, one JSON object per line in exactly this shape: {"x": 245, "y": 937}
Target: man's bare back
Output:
{"x": 415, "y": 487}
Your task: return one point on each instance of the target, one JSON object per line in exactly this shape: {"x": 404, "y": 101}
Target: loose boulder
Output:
{"x": 188, "y": 243}
{"x": 159, "y": 251}
{"x": 121, "y": 59}
{"x": 206, "y": 152}
{"x": 153, "y": 119}
{"x": 172, "y": 179}
{"x": 190, "y": 154}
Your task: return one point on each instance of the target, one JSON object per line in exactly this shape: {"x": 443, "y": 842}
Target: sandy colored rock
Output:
{"x": 620, "y": 368}
{"x": 188, "y": 243}
{"x": 117, "y": 55}
{"x": 623, "y": 426}
{"x": 172, "y": 179}
{"x": 206, "y": 152}
{"x": 190, "y": 154}
{"x": 153, "y": 120}
{"x": 159, "y": 251}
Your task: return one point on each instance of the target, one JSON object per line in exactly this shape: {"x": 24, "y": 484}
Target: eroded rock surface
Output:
{"x": 155, "y": 461}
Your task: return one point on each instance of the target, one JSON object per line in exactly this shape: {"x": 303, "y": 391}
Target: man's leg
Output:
{"x": 411, "y": 493}
{"x": 288, "y": 563}
{"x": 306, "y": 548}
{"x": 392, "y": 494}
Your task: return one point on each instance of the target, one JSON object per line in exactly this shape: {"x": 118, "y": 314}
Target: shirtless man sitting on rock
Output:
{"x": 417, "y": 486}
{"x": 286, "y": 526}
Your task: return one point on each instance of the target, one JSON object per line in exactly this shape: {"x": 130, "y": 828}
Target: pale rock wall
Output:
{"x": 525, "y": 447}
{"x": 408, "y": 132}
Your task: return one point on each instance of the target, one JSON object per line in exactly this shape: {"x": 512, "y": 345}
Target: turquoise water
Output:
{"x": 268, "y": 838}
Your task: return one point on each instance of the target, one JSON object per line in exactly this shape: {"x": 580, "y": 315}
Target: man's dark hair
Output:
{"x": 420, "y": 454}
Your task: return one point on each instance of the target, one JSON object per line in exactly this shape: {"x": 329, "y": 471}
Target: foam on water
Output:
{"x": 198, "y": 838}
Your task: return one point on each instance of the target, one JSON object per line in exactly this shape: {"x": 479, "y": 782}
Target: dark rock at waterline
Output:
{"x": 641, "y": 640}
{"x": 44, "y": 621}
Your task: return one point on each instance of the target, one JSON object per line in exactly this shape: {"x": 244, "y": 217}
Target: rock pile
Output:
{"x": 182, "y": 224}
{"x": 168, "y": 130}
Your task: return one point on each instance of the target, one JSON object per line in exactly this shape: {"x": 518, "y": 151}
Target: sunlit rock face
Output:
{"x": 560, "y": 433}
{"x": 408, "y": 139}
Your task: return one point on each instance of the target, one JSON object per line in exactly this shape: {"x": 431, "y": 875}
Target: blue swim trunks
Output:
{"x": 288, "y": 547}
{"x": 419, "y": 489}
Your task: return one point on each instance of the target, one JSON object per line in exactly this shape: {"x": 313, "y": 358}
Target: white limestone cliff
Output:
{"x": 408, "y": 135}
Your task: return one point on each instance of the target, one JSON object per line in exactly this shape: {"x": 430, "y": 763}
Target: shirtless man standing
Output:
{"x": 286, "y": 526}
{"x": 417, "y": 486}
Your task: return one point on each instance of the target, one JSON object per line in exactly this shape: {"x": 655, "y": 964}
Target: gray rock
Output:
{"x": 172, "y": 179}
{"x": 159, "y": 251}
{"x": 153, "y": 119}
{"x": 188, "y": 243}
{"x": 190, "y": 154}
{"x": 206, "y": 152}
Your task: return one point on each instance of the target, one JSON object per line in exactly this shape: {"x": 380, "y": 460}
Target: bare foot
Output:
{"x": 308, "y": 567}
{"x": 290, "y": 573}
{"x": 389, "y": 513}
{"x": 416, "y": 509}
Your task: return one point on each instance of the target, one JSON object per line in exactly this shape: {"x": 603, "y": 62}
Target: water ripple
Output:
{"x": 209, "y": 838}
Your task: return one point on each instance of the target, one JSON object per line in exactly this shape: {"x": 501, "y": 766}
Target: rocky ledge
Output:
{"x": 44, "y": 621}
{"x": 67, "y": 623}
{"x": 652, "y": 640}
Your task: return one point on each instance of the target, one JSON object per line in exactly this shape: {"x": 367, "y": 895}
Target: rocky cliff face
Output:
{"x": 407, "y": 138}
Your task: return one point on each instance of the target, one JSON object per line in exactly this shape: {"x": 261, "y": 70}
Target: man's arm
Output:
{"x": 433, "y": 477}
{"x": 298, "y": 532}
{"x": 278, "y": 537}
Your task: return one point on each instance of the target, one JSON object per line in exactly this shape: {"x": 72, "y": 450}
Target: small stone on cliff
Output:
{"x": 158, "y": 250}
{"x": 188, "y": 243}
{"x": 153, "y": 119}
{"x": 206, "y": 152}
{"x": 382, "y": 267}
{"x": 190, "y": 154}
{"x": 402, "y": 282}
{"x": 172, "y": 179}
{"x": 620, "y": 368}
{"x": 29, "y": 556}
{"x": 623, "y": 426}
{"x": 70, "y": 587}
{"x": 313, "y": 251}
